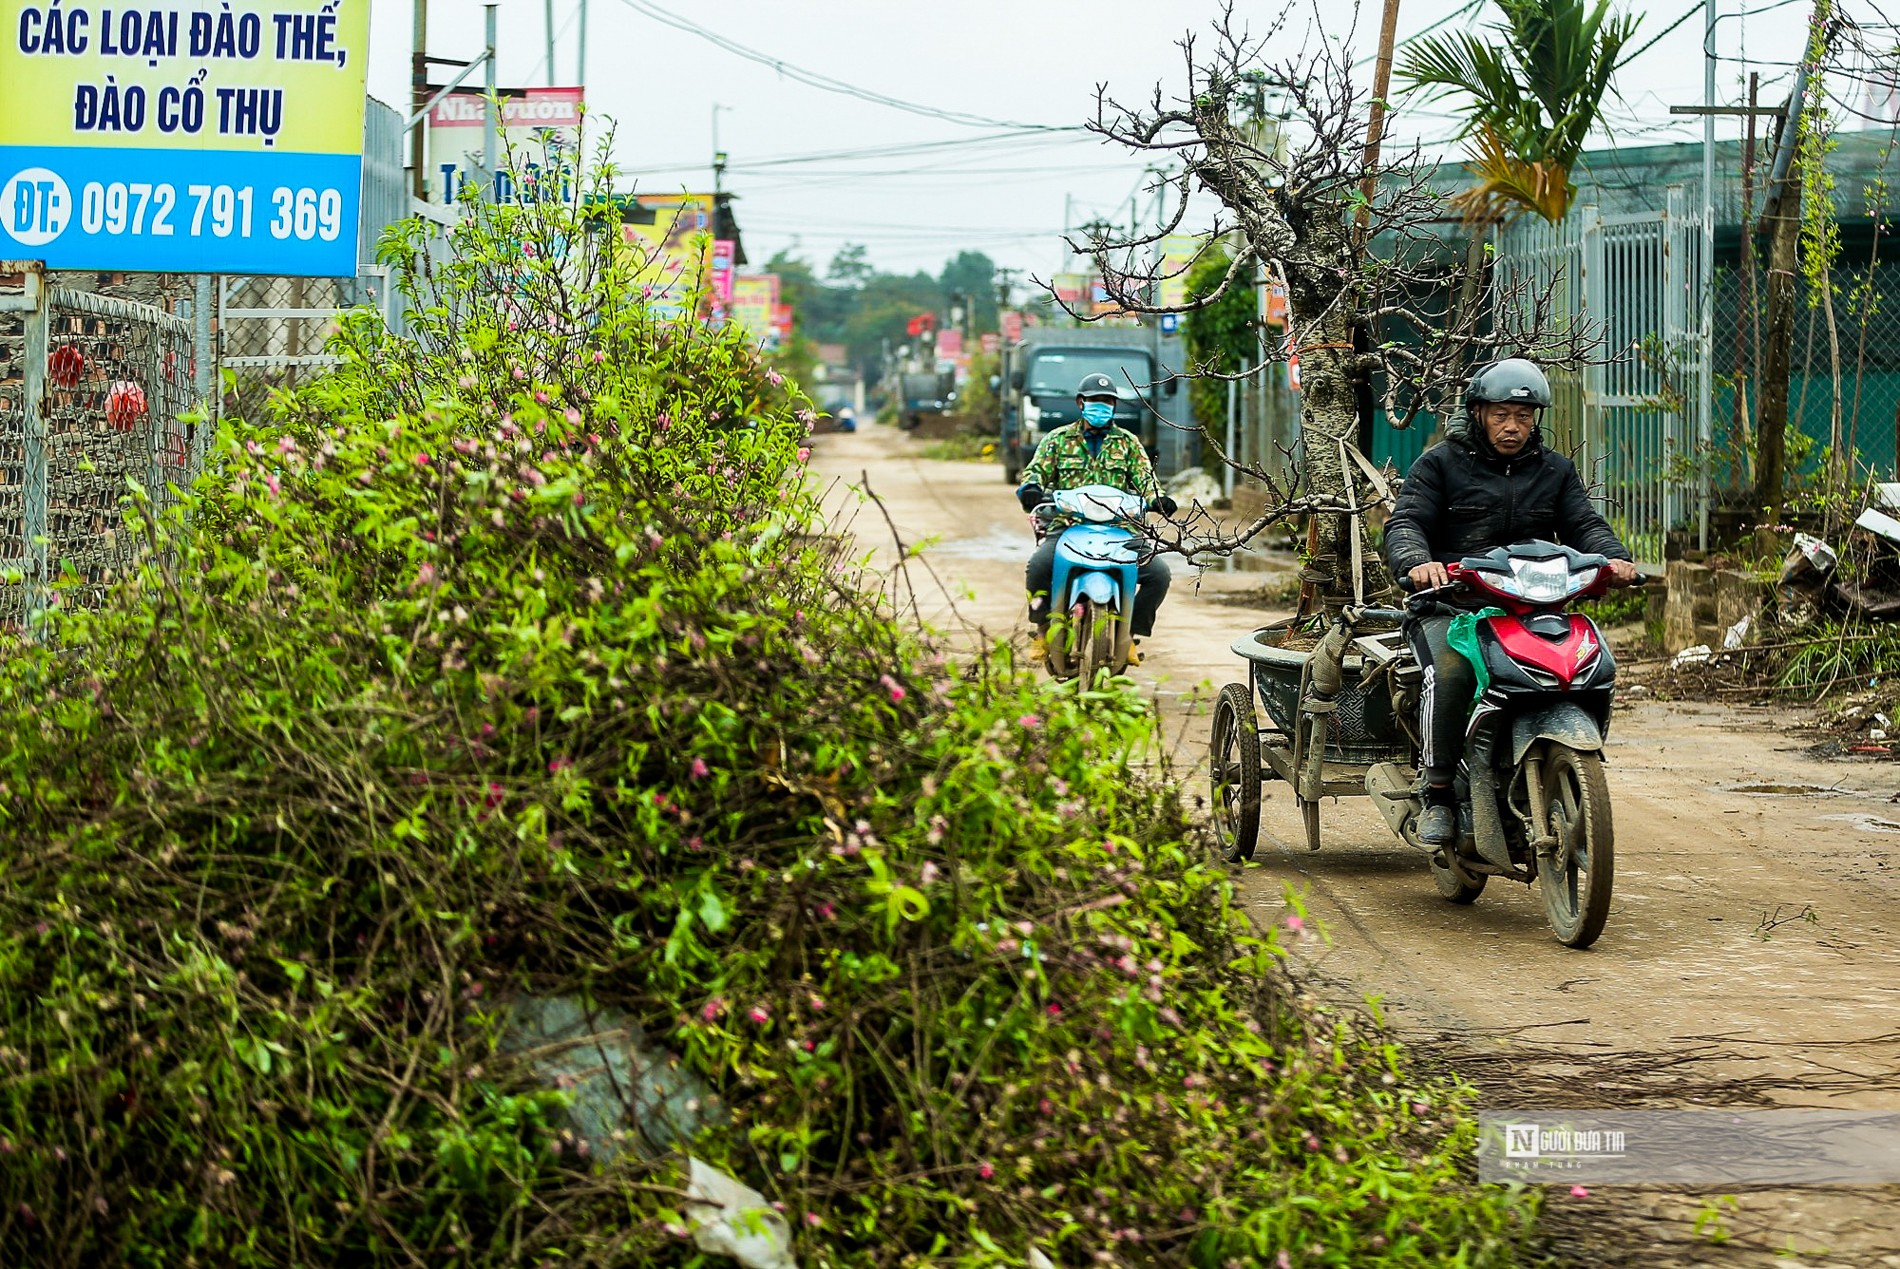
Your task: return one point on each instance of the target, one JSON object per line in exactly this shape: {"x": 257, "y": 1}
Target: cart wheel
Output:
{"x": 1233, "y": 756}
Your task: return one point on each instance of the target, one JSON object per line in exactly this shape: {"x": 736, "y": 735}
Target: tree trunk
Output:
{"x": 1771, "y": 429}
{"x": 1329, "y": 414}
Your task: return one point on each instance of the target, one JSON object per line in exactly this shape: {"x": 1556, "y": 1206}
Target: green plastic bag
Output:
{"x": 1463, "y": 638}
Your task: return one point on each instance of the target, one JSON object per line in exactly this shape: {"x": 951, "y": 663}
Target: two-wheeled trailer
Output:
{"x": 1342, "y": 719}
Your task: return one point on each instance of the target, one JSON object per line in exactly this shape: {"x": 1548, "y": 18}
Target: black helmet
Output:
{"x": 1096, "y": 386}
{"x": 1513, "y": 379}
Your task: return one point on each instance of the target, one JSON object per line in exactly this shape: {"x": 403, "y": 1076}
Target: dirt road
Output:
{"x": 1750, "y": 958}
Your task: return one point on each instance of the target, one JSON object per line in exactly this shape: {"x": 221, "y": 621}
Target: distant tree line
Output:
{"x": 869, "y": 311}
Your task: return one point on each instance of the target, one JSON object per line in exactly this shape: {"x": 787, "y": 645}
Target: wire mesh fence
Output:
{"x": 273, "y": 332}
{"x": 98, "y": 396}
{"x": 1858, "y": 364}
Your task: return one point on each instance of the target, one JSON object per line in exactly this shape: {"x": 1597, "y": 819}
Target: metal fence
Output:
{"x": 92, "y": 393}
{"x": 1866, "y": 340}
{"x": 1637, "y": 422}
{"x": 274, "y": 332}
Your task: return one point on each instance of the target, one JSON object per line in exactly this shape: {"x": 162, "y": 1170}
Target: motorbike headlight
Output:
{"x": 1541, "y": 581}
{"x": 1579, "y": 581}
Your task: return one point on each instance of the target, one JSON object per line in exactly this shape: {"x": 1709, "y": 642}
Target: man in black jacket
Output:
{"x": 1490, "y": 484}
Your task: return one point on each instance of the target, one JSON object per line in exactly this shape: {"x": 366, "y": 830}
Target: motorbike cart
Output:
{"x": 1343, "y": 719}
{"x": 1092, "y": 590}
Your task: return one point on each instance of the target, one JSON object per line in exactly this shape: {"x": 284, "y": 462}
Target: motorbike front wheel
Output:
{"x": 1576, "y": 874}
{"x": 1085, "y": 645}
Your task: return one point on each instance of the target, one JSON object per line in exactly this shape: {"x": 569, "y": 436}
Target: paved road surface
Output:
{"x": 1751, "y": 955}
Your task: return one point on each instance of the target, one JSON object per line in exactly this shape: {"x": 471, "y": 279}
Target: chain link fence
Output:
{"x": 1860, "y": 361}
{"x": 95, "y": 393}
{"x": 274, "y": 332}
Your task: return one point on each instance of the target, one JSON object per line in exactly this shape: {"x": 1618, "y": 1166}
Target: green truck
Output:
{"x": 1038, "y": 379}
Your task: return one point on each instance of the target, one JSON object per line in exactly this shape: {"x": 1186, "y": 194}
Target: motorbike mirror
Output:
{"x": 1016, "y": 381}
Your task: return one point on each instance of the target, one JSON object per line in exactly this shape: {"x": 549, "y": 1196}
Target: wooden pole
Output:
{"x": 1771, "y": 428}
{"x": 1375, "y": 117}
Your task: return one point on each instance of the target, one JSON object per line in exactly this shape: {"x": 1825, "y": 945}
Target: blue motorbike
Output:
{"x": 1092, "y": 592}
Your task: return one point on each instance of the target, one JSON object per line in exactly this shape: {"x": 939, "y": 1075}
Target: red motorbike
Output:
{"x": 1533, "y": 802}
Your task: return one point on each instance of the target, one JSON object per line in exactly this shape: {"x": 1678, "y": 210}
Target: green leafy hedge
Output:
{"x": 508, "y": 660}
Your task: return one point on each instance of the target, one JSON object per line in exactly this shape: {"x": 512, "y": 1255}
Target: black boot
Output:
{"x": 1438, "y": 823}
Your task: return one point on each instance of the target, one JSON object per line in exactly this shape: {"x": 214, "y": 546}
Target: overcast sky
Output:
{"x": 1021, "y": 61}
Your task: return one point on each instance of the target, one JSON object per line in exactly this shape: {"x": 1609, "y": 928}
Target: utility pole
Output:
{"x": 491, "y": 115}
{"x": 1362, "y": 221}
{"x": 580, "y": 53}
{"x": 719, "y": 156}
{"x": 1705, "y": 404}
{"x": 419, "y": 97}
{"x": 547, "y": 11}
{"x": 1375, "y": 116}
{"x": 1749, "y": 319}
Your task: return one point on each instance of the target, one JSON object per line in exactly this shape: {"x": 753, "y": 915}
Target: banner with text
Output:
{"x": 183, "y": 136}
{"x": 673, "y": 234}
{"x": 540, "y": 132}
{"x": 755, "y": 303}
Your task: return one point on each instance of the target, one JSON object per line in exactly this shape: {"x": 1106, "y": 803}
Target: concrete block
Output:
{"x": 1689, "y": 601}
{"x": 1737, "y": 595}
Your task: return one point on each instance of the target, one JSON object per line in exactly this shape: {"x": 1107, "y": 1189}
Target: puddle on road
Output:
{"x": 1786, "y": 790}
{"x": 1866, "y": 823}
{"x": 1011, "y": 547}
{"x": 998, "y": 544}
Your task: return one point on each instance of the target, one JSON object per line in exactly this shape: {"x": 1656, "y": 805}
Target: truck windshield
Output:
{"x": 1058, "y": 373}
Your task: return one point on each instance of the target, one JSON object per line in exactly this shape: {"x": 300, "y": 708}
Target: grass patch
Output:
{"x": 964, "y": 447}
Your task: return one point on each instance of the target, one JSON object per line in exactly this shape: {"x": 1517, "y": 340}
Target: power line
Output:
{"x": 1002, "y": 141}
{"x": 827, "y": 83}
{"x": 1416, "y": 36}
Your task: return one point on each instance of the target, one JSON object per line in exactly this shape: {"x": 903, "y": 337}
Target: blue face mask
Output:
{"x": 1097, "y": 415}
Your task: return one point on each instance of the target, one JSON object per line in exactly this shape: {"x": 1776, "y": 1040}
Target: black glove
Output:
{"x": 1165, "y": 505}
{"x": 1031, "y": 496}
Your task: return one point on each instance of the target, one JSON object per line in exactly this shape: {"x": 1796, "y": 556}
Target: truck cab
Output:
{"x": 1040, "y": 397}
{"x": 924, "y": 395}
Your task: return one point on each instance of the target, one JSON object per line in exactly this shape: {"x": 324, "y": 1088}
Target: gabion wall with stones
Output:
{"x": 119, "y": 375}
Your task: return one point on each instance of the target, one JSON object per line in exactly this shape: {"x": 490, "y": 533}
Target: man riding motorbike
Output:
{"x": 1092, "y": 451}
{"x": 1490, "y": 483}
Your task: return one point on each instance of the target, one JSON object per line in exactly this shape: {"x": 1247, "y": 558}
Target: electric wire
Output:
{"x": 831, "y": 84}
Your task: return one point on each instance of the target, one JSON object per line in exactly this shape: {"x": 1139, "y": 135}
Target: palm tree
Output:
{"x": 1536, "y": 91}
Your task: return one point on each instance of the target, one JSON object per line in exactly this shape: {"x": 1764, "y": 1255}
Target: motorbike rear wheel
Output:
{"x": 1233, "y": 760}
{"x": 1576, "y": 876}
{"x": 1454, "y": 889}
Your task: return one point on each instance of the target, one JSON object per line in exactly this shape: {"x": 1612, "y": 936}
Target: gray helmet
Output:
{"x": 1096, "y": 386}
{"x": 1513, "y": 379}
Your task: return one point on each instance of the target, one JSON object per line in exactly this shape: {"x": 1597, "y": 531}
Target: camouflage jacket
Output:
{"x": 1063, "y": 461}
